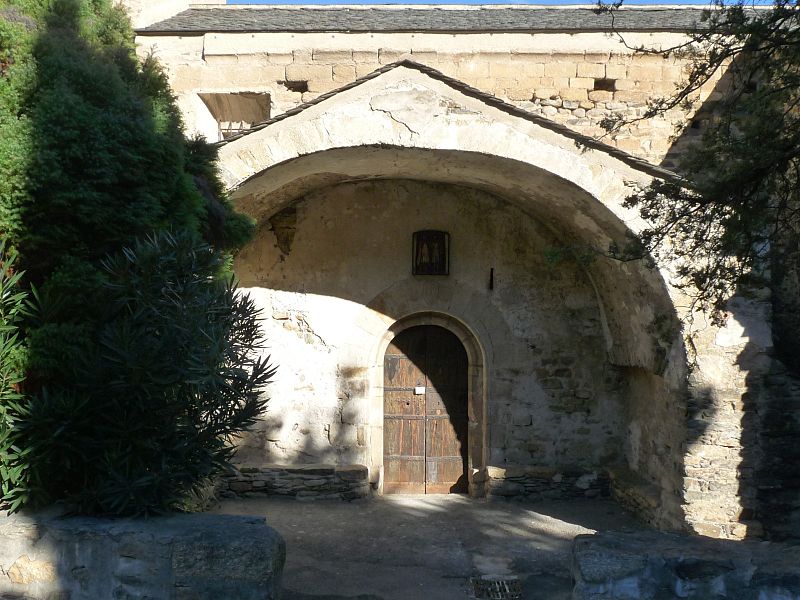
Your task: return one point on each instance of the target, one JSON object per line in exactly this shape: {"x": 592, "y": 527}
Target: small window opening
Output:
{"x": 605, "y": 85}
{"x": 236, "y": 112}
{"x": 300, "y": 87}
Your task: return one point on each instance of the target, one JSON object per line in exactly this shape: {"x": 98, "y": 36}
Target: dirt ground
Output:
{"x": 428, "y": 547}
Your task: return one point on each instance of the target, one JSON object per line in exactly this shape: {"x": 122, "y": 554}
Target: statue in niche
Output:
{"x": 431, "y": 253}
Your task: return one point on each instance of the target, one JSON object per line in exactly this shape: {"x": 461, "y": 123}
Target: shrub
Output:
{"x": 139, "y": 367}
{"x": 13, "y": 304}
{"x": 175, "y": 372}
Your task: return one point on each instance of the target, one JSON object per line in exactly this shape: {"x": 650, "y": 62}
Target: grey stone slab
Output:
{"x": 652, "y": 565}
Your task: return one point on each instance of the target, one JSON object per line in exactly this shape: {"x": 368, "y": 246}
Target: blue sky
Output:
{"x": 537, "y": 2}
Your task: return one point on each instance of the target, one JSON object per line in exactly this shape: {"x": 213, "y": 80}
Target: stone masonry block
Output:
{"x": 503, "y": 83}
{"x": 221, "y": 60}
{"x": 593, "y": 70}
{"x": 530, "y": 69}
{"x": 504, "y": 70}
{"x": 531, "y": 83}
{"x": 560, "y": 69}
{"x": 197, "y": 557}
{"x": 331, "y": 56}
{"x": 545, "y": 93}
{"x": 448, "y": 67}
{"x": 631, "y": 145}
{"x": 573, "y": 94}
{"x": 297, "y": 72}
{"x": 615, "y": 71}
{"x": 630, "y": 96}
{"x": 624, "y": 84}
{"x": 344, "y": 73}
{"x": 425, "y": 56}
{"x": 601, "y": 96}
{"x": 255, "y": 76}
{"x": 390, "y": 55}
{"x": 352, "y": 473}
{"x": 365, "y": 56}
{"x": 664, "y": 87}
{"x": 644, "y": 72}
{"x": 581, "y": 82}
{"x": 471, "y": 69}
{"x": 672, "y": 73}
{"x": 363, "y": 69}
{"x": 280, "y": 58}
{"x": 186, "y": 77}
{"x": 302, "y": 55}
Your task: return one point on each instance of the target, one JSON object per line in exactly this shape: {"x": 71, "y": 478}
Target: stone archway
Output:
{"x": 408, "y": 123}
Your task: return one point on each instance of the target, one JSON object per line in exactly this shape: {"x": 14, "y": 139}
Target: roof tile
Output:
{"x": 351, "y": 19}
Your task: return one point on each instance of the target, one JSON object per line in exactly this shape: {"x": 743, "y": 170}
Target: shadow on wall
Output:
{"x": 742, "y": 437}
{"x": 692, "y": 132}
{"x": 745, "y": 435}
{"x": 769, "y": 475}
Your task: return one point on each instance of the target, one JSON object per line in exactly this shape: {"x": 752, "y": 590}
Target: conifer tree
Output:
{"x": 735, "y": 222}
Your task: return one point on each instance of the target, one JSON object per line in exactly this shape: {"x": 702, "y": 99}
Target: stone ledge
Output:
{"x": 537, "y": 483}
{"x": 305, "y": 482}
{"x": 653, "y": 565}
{"x": 181, "y": 557}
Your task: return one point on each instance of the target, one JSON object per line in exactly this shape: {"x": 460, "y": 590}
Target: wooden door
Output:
{"x": 425, "y": 412}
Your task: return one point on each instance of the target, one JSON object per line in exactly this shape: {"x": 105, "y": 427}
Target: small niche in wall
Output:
{"x": 605, "y": 85}
{"x": 430, "y": 252}
{"x": 299, "y": 87}
{"x": 236, "y": 112}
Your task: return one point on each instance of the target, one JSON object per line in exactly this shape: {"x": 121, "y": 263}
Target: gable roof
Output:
{"x": 432, "y": 19}
{"x": 580, "y": 140}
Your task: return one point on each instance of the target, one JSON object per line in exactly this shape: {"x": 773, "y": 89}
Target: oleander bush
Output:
{"x": 175, "y": 372}
{"x": 13, "y": 307}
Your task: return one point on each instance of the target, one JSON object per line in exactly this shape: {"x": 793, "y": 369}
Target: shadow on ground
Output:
{"x": 407, "y": 547}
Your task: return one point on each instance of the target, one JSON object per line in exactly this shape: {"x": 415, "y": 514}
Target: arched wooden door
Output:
{"x": 425, "y": 412}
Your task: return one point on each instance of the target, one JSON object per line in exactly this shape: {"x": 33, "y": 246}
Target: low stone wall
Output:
{"x": 653, "y": 565}
{"x": 182, "y": 557}
{"x": 302, "y": 481}
{"x": 542, "y": 483}
{"x": 636, "y": 494}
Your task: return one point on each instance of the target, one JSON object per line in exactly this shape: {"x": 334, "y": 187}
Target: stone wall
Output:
{"x": 727, "y": 400}
{"x": 305, "y": 482}
{"x": 577, "y": 80}
{"x": 333, "y": 280}
{"x": 640, "y": 496}
{"x": 540, "y": 483}
{"x": 652, "y": 566}
{"x": 774, "y": 426}
{"x": 184, "y": 557}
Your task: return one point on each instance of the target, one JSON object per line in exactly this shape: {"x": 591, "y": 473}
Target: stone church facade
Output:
{"x": 431, "y": 186}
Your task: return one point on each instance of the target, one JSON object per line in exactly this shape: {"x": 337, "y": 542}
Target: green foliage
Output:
{"x": 741, "y": 195}
{"x": 139, "y": 368}
{"x": 92, "y": 146}
{"x": 175, "y": 373}
{"x": 13, "y": 307}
